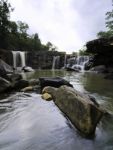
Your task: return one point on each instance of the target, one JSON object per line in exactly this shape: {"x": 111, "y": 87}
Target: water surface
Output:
{"x": 29, "y": 123}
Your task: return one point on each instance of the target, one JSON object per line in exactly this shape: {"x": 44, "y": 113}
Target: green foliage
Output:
{"x": 51, "y": 47}
{"x": 5, "y": 10}
{"x": 109, "y": 26}
{"x": 103, "y": 34}
{"x": 83, "y": 52}
{"x": 14, "y": 35}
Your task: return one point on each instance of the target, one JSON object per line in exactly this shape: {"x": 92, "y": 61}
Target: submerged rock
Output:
{"x": 99, "y": 69}
{"x": 20, "y": 84}
{"x": 33, "y": 82}
{"x": 109, "y": 76}
{"x": 29, "y": 88}
{"x": 79, "y": 108}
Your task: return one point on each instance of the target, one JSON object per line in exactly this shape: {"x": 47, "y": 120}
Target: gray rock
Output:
{"x": 79, "y": 108}
{"x": 99, "y": 69}
{"x": 27, "y": 69}
{"x": 5, "y": 69}
{"x": 20, "y": 84}
{"x": 15, "y": 77}
{"x": 54, "y": 82}
{"x": 4, "y": 84}
{"x": 33, "y": 82}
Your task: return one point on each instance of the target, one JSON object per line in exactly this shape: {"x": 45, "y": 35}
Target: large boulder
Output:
{"x": 102, "y": 49}
{"x": 4, "y": 84}
{"x": 53, "y": 81}
{"x": 18, "y": 85}
{"x": 80, "y": 109}
{"x": 15, "y": 77}
{"x": 27, "y": 69}
{"x": 34, "y": 82}
{"x": 99, "y": 69}
{"x": 73, "y": 69}
{"x": 5, "y": 69}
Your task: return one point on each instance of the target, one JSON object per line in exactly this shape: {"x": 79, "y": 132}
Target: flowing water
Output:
{"x": 18, "y": 59}
{"x": 29, "y": 123}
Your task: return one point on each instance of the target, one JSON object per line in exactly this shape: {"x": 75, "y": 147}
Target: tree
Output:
{"x": 23, "y": 28}
{"x": 51, "y": 47}
{"x": 109, "y": 26}
{"x": 12, "y": 36}
{"x": 22, "y": 35}
{"x": 5, "y": 9}
{"x": 13, "y": 27}
{"x": 36, "y": 42}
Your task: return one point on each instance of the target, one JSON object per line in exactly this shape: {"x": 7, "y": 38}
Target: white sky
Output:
{"x": 68, "y": 24}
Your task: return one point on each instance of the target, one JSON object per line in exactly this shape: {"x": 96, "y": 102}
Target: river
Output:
{"x": 29, "y": 123}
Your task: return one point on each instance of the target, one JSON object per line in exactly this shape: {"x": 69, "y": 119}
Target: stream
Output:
{"x": 27, "y": 122}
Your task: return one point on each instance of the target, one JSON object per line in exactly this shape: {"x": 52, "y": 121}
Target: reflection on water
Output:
{"x": 29, "y": 123}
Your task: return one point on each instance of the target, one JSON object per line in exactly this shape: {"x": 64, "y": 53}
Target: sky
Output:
{"x": 67, "y": 24}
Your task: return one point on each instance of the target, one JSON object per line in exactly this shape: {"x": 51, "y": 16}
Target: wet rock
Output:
{"x": 20, "y": 84}
{"x": 5, "y": 69}
{"x": 27, "y": 69}
{"x": 73, "y": 69}
{"x": 4, "y": 84}
{"x": 99, "y": 69}
{"x": 110, "y": 70}
{"x": 79, "y": 108}
{"x": 29, "y": 88}
{"x": 33, "y": 82}
{"x": 15, "y": 77}
{"x": 51, "y": 90}
{"x": 102, "y": 49}
{"x": 47, "y": 96}
{"x": 53, "y": 81}
{"x": 109, "y": 76}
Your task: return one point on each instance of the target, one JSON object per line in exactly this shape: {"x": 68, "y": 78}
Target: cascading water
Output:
{"x": 14, "y": 59}
{"x": 77, "y": 63}
{"x": 65, "y": 60}
{"x": 17, "y": 54}
{"x": 22, "y": 56}
{"x": 55, "y": 62}
{"x": 80, "y": 62}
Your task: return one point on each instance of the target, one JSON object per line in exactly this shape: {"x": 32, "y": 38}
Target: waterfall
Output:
{"x": 14, "y": 59}
{"x": 77, "y": 63}
{"x": 22, "y": 56}
{"x": 65, "y": 60}
{"x": 16, "y": 55}
{"x": 80, "y": 62}
{"x": 55, "y": 62}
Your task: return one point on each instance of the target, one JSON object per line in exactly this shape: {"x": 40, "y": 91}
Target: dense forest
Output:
{"x": 14, "y": 35}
